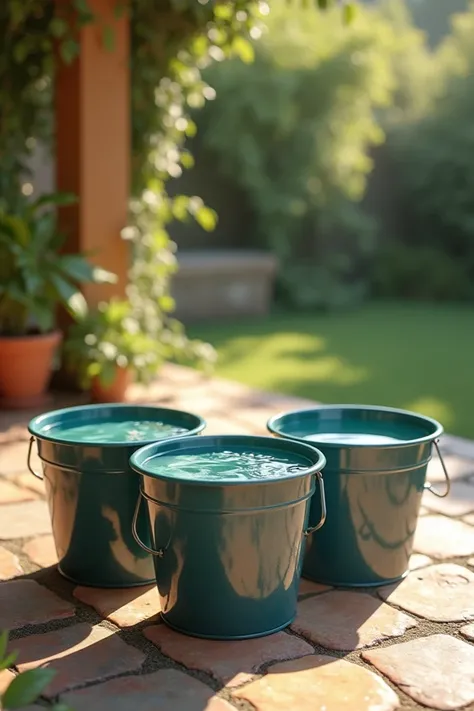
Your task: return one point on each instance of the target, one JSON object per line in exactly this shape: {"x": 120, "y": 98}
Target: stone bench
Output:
{"x": 223, "y": 283}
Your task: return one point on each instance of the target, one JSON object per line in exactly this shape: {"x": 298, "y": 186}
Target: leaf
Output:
{"x": 77, "y": 305}
{"x": 58, "y": 27}
{"x": 79, "y": 269}
{"x": 26, "y": 687}
{"x": 8, "y": 661}
{"x": 102, "y": 276}
{"x": 108, "y": 38}
{"x": 243, "y": 49}
{"x": 108, "y": 373}
{"x": 3, "y": 643}
{"x": 43, "y": 316}
{"x": 120, "y": 9}
{"x": 16, "y": 228}
{"x": 69, "y": 49}
{"x": 69, "y": 296}
{"x": 20, "y": 51}
{"x": 206, "y": 217}
{"x": 57, "y": 199}
{"x": 349, "y": 12}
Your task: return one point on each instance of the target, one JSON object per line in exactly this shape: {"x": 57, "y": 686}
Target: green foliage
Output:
{"x": 294, "y": 130}
{"x": 27, "y": 686}
{"x": 424, "y": 272}
{"x": 433, "y": 159}
{"x": 108, "y": 338}
{"x": 433, "y": 16}
{"x": 416, "y": 73}
{"x": 114, "y": 336}
{"x": 34, "y": 277}
{"x": 171, "y": 42}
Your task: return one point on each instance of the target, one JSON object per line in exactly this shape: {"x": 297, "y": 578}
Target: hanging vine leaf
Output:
{"x": 108, "y": 38}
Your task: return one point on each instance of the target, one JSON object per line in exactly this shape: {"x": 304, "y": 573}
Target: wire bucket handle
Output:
{"x": 161, "y": 551}
{"x": 28, "y": 460}
{"x": 430, "y": 486}
{"x": 322, "y": 498}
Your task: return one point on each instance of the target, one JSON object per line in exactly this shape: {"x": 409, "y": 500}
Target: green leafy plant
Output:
{"x": 108, "y": 338}
{"x": 115, "y": 336}
{"x": 27, "y": 686}
{"x": 34, "y": 276}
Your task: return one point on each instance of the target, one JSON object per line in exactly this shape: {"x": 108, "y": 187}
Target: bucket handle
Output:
{"x": 429, "y": 486}
{"x": 161, "y": 551}
{"x": 322, "y": 499}
{"x": 28, "y": 461}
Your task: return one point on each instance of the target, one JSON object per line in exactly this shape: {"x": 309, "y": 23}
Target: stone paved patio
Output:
{"x": 414, "y": 648}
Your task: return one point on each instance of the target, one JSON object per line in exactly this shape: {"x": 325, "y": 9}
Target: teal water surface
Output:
{"x": 352, "y": 438}
{"x": 103, "y": 432}
{"x": 226, "y": 465}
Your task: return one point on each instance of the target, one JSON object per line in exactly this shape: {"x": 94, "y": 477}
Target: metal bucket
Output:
{"x": 375, "y": 477}
{"x": 91, "y": 489}
{"x": 228, "y": 551}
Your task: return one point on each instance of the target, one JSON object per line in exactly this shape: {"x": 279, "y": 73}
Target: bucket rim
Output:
{"x": 35, "y": 423}
{"x": 273, "y": 422}
{"x": 138, "y": 460}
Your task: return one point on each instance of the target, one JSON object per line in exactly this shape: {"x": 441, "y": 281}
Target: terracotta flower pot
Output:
{"x": 112, "y": 393}
{"x": 25, "y": 368}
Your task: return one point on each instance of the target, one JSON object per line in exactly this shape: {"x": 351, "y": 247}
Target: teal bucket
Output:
{"x": 375, "y": 476}
{"x": 91, "y": 489}
{"x": 228, "y": 517}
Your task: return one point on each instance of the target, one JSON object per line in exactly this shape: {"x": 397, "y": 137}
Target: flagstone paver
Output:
{"x": 124, "y": 606}
{"x": 9, "y": 493}
{"x": 9, "y": 564}
{"x": 441, "y": 537}
{"x": 417, "y": 560}
{"x": 24, "y": 602}
{"x": 468, "y": 631}
{"x": 41, "y": 551}
{"x": 20, "y": 520}
{"x": 458, "y": 468}
{"x": 319, "y": 682}
{"x": 349, "y": 620}
{"x": 28, "y": 481}
{"x": 13, "y": 458}
{"x": 459, "y": 502}
{"x": 165, "y": 690}
{"x": 6, "y": 677}
{"x": 435, "y": 671}
{"x": 416, "y": 635}
{"x": 79, "y": 654}
{"x": 443, "y": 593}
{"x": 230, "y": 662}
{"x": 307, "y": 587}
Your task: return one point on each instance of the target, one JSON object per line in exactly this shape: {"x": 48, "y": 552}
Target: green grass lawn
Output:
{"x": 405, "y": 355}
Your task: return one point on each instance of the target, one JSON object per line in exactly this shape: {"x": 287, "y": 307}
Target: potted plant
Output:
{"x": 35, "y": 278}
{"x": 108, "y": 349}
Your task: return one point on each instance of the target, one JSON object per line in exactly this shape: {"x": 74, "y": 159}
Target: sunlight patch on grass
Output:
{"x": 292, "y": 356}
{"x": 433, "y": 407}
{"x": 383, "y": 354}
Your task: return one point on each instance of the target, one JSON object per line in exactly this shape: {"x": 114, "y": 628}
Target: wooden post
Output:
{"x": 92, "y": 107}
